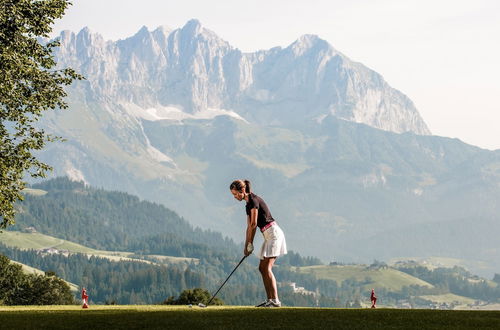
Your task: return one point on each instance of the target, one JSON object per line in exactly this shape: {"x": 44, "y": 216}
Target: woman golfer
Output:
{"x": 258, "y": 215}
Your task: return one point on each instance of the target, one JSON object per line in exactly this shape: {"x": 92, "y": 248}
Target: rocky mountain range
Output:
{"x": 191, "y": 72}
{"x": 345, "y": 161}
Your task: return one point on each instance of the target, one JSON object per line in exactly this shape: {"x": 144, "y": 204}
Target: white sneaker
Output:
{"x": 263, "y": 304}
{"x": 273, "y": 303}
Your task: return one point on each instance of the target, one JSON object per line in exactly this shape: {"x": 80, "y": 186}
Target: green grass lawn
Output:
{"x": 389, "y": 278}
{"x": 183, "y": 317}
{"x": 39, "y": 241}
{"x": 449, "y": 298}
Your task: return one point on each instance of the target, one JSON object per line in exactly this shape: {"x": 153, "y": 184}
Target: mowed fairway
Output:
{"x": 183, "y": 317}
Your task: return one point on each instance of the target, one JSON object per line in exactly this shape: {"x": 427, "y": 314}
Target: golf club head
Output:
{"x": 202, "y": 305}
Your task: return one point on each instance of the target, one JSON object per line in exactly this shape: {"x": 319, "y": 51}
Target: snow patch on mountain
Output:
{"x": 176, "y": 113}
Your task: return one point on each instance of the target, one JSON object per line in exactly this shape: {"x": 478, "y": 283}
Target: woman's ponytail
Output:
{"x": 247, "y": 187}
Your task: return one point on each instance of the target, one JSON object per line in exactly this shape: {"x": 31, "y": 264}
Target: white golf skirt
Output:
{"x": 274, "y": 243}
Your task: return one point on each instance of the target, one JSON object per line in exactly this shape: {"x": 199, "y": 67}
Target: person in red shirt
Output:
{"x": 373, "y": 298}
{"x": 85, "y": 298}
{"x": 258, "y": 215}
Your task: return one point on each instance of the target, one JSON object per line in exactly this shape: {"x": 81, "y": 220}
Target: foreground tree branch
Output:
{"x": 29, "y": 85}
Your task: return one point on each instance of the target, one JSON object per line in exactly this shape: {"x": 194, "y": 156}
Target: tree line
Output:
{"x": 18, "y": 288}
{"x": 456, "y": 280}
{"x": 134, "y": 282}
{"x": 118, "y": 221}
{"x": 108, "y": 281}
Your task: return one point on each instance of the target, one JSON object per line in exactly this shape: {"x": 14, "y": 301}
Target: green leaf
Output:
{"x": 29, "y": 86}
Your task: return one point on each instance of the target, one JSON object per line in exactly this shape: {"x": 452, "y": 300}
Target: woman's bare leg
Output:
{"x": 265, "y": 268}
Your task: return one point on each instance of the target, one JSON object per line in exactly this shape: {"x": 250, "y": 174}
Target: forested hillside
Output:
{"x": 116, "y": 221}
{"x": 113, "y": 221}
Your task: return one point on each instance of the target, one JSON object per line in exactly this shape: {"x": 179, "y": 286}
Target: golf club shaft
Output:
{"x": 226, "y": 280}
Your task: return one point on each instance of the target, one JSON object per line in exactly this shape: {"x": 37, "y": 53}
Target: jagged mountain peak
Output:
{"x": 160, "y": 34}
{"x": 192, "y": 27}
{"x": 193, "y": 69}
{"x": 308, "y": 42}
{"x": 143, "y": 31}
{"x": 162, "y": 29}
{"x": 194, "y": 32}
{"x": 85, "y": 39}
{"x": 85, "y": 30}
{"x": 65, "y": 36}
{"x": 141, "y": 37}
{"x": 86, "y": 33}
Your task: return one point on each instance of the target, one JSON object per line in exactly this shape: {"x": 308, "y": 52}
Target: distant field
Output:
{"x": 182, "y": 317}
{"x": 449, "y": 298}
{"x": 435, "y": 262}
{"x": 34, "y": 192}
{"x": 30, "y": 270}
{"x": 40, "y": 241}
{"x": 389, "y": 278}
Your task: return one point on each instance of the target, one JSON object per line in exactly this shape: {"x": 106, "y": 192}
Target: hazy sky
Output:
{"x": 443, "y": 54}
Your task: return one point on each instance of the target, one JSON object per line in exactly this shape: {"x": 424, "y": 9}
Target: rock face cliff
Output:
{"x": 188, "y": 72}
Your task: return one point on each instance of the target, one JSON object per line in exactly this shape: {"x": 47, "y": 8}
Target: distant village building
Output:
{"x": 300, "y": 289}
{"x": 48, "y": 251}
{"x": 51, "y": 251}
{"x": 30, "y": 230}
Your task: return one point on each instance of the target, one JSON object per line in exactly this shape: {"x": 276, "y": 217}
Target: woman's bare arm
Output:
{"x": 251, "y": 229}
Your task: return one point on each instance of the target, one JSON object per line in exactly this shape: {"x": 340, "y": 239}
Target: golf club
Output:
{"x": 203, "y": 305}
